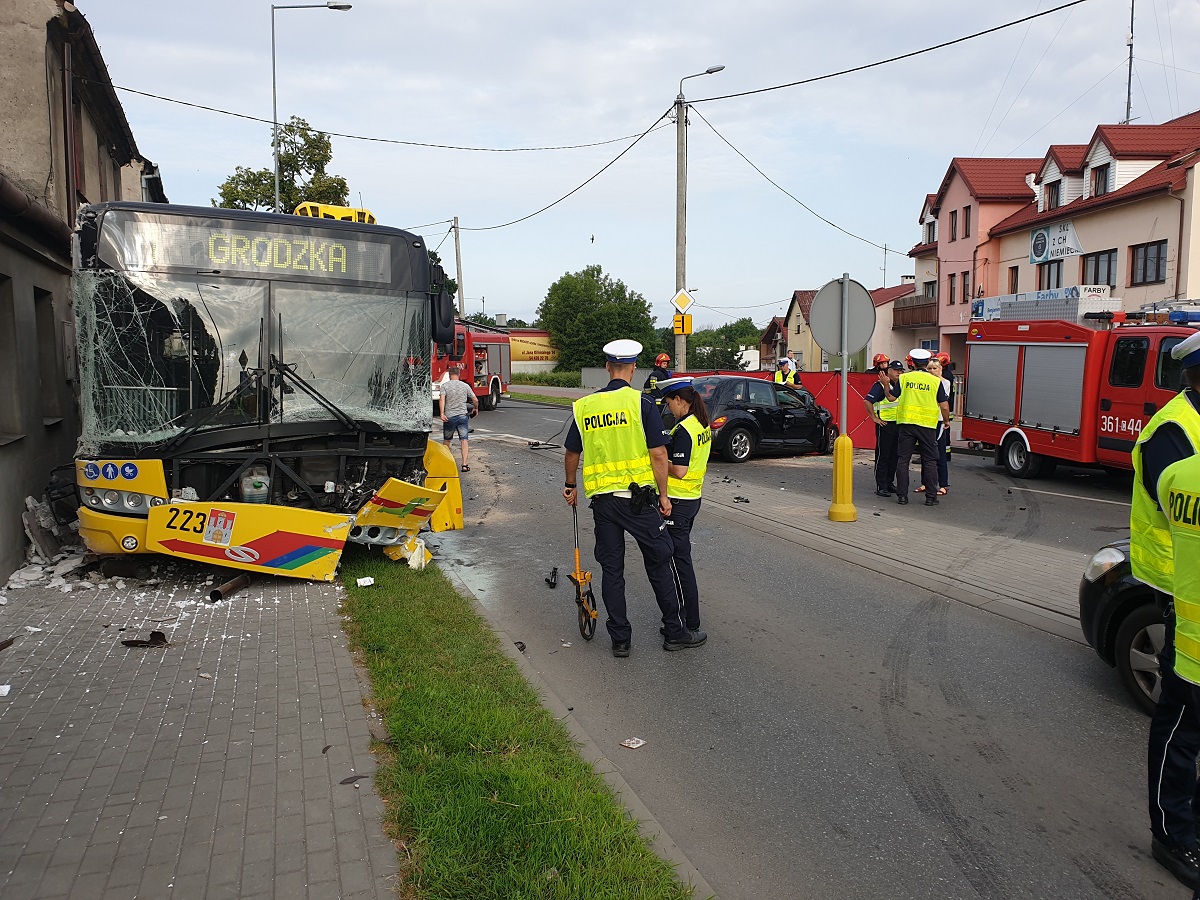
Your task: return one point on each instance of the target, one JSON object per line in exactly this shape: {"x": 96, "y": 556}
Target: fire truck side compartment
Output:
{"x": 1053, "y": 387}
{"x": 992, "y": 398}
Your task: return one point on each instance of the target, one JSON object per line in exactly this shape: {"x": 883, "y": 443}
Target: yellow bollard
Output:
{"x": 842, "y": 508}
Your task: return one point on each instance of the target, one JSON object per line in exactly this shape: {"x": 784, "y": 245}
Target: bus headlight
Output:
{"x": 129, "y": 542}
{"x": 133, "y": 501}
{"x": 111, "y": 498}
{"x": 157, "y": 501}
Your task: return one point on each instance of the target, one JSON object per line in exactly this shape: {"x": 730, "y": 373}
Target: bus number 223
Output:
{"x": 1117, "y": 425}
{"x": 191, "y": 521}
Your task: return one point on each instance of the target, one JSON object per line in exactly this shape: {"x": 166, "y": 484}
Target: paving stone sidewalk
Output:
{"x": 209, "y": 768}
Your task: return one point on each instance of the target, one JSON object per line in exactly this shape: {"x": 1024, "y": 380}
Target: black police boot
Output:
{"x": 883, "y": 492}
{"x": 620, "y": 648}
{"x": 1182, "y": 862}
{"x": 686, "y": 640}
{"x": 902, "y": 499}
{"x": 932, "y": 501}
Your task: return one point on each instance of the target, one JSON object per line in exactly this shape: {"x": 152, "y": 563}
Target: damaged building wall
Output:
{"x": 63, "y": 141}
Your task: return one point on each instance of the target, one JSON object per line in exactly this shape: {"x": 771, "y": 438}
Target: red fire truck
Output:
{"x": 483, "y": 357}
{"x": 1044, "y": 391}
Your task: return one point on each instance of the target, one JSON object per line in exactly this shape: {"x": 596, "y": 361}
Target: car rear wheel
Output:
{"x": 1139, "y": 639}
{"x": 740, "y": 446}
{"x": 1018, "y": 461}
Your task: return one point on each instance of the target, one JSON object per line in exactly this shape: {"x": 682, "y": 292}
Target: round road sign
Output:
{"x": 825, "y": 317}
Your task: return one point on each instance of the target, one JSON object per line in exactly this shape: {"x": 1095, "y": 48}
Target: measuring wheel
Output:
{"x": 585, "y": 601}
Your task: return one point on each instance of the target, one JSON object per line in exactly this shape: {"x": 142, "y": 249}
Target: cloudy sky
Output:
{"x": 862, "y": 150}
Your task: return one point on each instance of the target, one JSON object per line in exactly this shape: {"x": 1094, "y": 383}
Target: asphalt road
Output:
{"x": 842, "y": 734}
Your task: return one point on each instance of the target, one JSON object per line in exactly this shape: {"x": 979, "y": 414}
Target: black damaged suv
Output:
{"x": 753, "y": 416}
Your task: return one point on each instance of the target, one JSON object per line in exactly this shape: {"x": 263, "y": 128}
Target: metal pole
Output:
{"x": 274, "y": 110}
{"x": 458, "y": 264}
{"x": 845, "y": 355}
{"x": 1129, "y": 76}
{"x": 680, "y": 218}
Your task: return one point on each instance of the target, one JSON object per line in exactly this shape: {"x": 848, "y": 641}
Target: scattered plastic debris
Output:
{"x": 632, "y": 743}
{"x": 520, "y": 645}
{"x": 352, "y": 779}
{"x": 4, "y": 689}
{"x": 553, "y": 579}
{"x": 740, "y": 499}
{"x": 566, "y": 643}
{"x": 157, "y": 639}
{"x": 32, "y": 629}
{"x": 204, "y": 675}
{"x": 365, "y": 582}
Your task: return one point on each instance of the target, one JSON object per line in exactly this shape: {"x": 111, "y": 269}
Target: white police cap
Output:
{"x": 622, "y": 351}
{"x": 668, "y": 386}
{"x": 919, "y": 354}
{"x": 1188, "y": 350}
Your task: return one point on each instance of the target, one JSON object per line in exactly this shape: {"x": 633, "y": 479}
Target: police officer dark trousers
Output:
{"x": 619, "y": 434}
{"x": 687, "y": 459}
{"x": 1171, "y": 437}
{"x": 881, "y": 407}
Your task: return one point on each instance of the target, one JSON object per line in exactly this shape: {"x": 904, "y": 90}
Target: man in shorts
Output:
{"x": 457, "y": 404}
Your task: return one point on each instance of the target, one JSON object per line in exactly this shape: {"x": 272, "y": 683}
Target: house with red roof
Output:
{"x": 1122, "y": 216}
{"x": 956, "y": 259}
{"x": 894, "y": 343}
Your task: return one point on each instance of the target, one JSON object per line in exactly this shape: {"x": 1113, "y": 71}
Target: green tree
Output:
{"x": 304, "y": 155}
{"x": 585, "y": 310}
{"x": 480, "y": 318}
{"x": 517, "y": 323}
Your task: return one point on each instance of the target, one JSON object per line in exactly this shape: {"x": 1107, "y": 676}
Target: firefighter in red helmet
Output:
{"x": 657, "y": 374}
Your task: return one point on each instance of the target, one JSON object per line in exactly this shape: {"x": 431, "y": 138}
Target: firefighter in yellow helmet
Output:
{"x": 1163, "y": 554}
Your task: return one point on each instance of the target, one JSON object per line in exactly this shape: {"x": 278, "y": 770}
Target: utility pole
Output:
{"x": 680, "y": 217}
{"x": 458, "y": 263}
{"x": 1129, "y": 76}
{"x": 885, "y": 265}
{"x": 681, "y": 206}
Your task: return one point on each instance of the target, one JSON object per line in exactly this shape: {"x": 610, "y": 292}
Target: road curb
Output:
{"x": 650, "y": 827}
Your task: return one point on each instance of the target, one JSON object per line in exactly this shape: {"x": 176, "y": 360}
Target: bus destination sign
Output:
{"x": 232, "y": 247}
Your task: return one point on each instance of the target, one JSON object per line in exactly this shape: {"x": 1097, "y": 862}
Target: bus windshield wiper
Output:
{"x": 287, "y": 373}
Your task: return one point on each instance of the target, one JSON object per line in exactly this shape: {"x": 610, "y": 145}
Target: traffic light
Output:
{"x": 682, "y": 323}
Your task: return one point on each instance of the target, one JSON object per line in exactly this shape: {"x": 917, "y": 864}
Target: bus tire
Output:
{"x": 1018, "y": 461}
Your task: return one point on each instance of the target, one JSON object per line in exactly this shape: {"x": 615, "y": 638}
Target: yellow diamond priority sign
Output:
{"x": 683, "y": 301}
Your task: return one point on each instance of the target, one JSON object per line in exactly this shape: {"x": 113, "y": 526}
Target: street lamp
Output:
{"x": 681, "y": 205}
{"x": 340, "y": 7}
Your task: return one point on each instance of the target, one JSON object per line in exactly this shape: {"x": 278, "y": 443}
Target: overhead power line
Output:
{"x": 377, "y": 140}
{"x": 892, "y": 59}
{"x": 857, "y": 237}
{"x": 579, "y": 187}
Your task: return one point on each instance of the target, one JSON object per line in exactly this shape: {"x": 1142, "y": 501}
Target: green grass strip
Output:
{"x": 542, "y": 398}
{"x": 486, "y": 790}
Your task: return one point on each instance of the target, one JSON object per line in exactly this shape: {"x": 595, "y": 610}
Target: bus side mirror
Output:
{"x": 443, "y": 311}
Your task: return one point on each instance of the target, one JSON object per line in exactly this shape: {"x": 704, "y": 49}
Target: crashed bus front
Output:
{"x": 254, "y": 388}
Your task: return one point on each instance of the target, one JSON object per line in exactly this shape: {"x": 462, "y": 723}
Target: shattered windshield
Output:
{"x": 161, "y": 353}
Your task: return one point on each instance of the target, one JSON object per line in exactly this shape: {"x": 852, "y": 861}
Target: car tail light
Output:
{"x": 718, "y": 422}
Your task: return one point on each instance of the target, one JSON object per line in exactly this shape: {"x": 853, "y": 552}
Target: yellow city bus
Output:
{"x": 254, "y": 389}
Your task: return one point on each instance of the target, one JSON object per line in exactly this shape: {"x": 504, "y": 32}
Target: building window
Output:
{"x": 954, "y": 224}
{"x": 930, "y": 232}
{"x": 930, "y": 344}
{"x": 930, "y": 290}
{"x": 1149, "y": 263}
{"x": 1053, "y": 191}
{"x": 966, "y": 225}
{"x": 1100, "y": 182}
{"x": 966, "y": 286}
{"x": 1100, "y": 268}
{"x": 49, "y": 368}
{"x": 950, "y": 280}
{"x": 1014, "y": 279}
{"x": 1050, "y": 275}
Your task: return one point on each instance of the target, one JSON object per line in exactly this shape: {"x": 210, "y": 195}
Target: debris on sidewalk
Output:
{"x": 366, "y": 581}
{"x": 633, "y": 743}
{"x": 553, "y": 579}
{"x": 157, "y": 639}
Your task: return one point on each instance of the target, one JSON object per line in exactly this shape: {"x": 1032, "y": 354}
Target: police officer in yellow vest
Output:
{"x": 923, "y": 401}
{"x": 619, "y": 433}
{"x": 785, "y": 374}
{"x": 687, "y": 461}
{"x": 881, "y": 404}
{"x": 1171, "y": 437}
